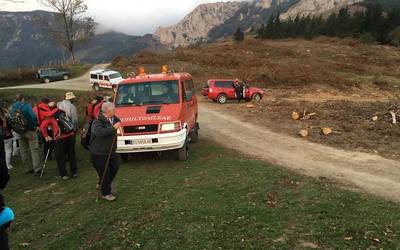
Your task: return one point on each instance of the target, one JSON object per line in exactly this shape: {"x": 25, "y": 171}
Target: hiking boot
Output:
{"x": 74, "y": 176}
{"x": 38, "y": 172}
{"x": 65, "y": 178}
{"x": 10, "y": 167}
{"x": 97, "y": 186}
{"x": 109, "y": 197}
{"x": 30, "y": 171}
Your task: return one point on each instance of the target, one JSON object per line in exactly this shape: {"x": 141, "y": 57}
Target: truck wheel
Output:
{"x": 195, "y": 134}
{"x": 46, "y": 80}
{"x": 125, "y": 157}
{"x": 183, "y": 152}
{"x": 222, "y": 99}
{"x": 66, "y": 77}
{"x": 96, "y": 87}
{"x": 257, "y": 97}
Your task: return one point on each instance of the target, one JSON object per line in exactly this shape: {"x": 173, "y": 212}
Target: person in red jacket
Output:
{"x": 97, "y": 108}
{"x": 91, "y": 108}
{"x": 45, "y": 112}
{"x": 64, "y": 146}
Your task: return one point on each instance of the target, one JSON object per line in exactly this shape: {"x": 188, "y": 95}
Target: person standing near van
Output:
{"x": 7, "y": 137}
{"x": 24, "y": 121}
{"x": 103, "y": 148}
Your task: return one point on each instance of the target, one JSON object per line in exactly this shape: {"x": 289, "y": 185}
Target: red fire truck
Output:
{"x": 159, "y": 112}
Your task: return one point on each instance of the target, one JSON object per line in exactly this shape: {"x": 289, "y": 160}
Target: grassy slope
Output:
{"x": 216, "y": 199}
{"x": 329, "y": 62}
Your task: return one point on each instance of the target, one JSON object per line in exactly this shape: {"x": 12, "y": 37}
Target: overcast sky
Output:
{"x": 135, "y": 17}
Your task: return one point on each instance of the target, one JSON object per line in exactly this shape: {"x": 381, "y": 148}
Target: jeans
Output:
{"x": 66, "y": 147}
{"x": 8, "y": 148}
{"x": 29, "y": 150}
{"x": 99, "y": 162}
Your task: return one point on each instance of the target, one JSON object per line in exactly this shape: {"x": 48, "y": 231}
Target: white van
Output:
{"x": 106, "y": 79}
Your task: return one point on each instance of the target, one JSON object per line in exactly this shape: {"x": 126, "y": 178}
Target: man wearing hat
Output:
{"x": 69, "y": 108}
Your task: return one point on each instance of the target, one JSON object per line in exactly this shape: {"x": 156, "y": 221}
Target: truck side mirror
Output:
{"x": 189, "y": 95}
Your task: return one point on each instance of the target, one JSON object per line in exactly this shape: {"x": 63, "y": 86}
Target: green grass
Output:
{"x": 218, "y": 199}
{"x": 79, "y": 69}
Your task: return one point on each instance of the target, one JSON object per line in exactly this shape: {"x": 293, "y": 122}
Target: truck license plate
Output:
{"x": 139, "y": 142}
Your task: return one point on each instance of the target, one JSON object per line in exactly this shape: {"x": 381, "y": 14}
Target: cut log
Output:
{"x": 295, "y": 116}
{"x": 303, "y": 133}
{"x": 393, "y": 114}
{"x": 375, "y": 118}
{"x": 327, "y": 131}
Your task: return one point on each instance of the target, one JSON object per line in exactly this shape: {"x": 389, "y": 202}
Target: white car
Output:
{"x": 105, "y": 79}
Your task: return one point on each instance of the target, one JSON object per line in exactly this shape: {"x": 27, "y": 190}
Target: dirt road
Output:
{"x": 370, "y": 173}
{"x": 80, "y": 83}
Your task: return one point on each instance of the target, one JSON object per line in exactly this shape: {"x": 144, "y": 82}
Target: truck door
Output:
{"x": 189, "y": 102}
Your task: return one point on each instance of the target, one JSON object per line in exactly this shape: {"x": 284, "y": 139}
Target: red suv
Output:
{"x": 222, "y": 90}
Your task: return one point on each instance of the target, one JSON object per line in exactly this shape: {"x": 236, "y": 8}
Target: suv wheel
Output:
{"x": 257, "y": 97}
{"x": 183, "y": 152}
{"x": 96, "y": 87}
{"x": 222, "y": 99}
{"x": 66, "y": 77}
{"x": 46, "y": 80}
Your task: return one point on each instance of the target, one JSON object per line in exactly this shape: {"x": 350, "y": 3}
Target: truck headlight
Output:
{"x": 170, "y": 127}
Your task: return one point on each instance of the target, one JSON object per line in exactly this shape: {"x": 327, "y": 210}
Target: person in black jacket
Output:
{"x": 103, "y": 145}
{"x": 237, "y": 85}
{"x": 4, "y": 176}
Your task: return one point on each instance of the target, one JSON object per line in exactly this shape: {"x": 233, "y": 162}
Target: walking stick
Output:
{"x": 105, "y": 169}
{"x": 45, "y": 161}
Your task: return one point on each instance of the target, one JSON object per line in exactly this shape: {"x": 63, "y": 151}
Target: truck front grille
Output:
{"x": 141, "y": 129}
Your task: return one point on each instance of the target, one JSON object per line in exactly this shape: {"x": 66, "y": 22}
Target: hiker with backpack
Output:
{"x": 23, "y": 121}
{"x": 63, "y": 138}
{"x": 69, "y": 108}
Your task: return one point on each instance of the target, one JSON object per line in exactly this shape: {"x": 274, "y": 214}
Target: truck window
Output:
{"x": 101, "y": 77}
{"x": 106, "y": 78}
{"x": 189, "y": 88}
{"x": 147, "y": 93}
{"x": 93, "y": 76}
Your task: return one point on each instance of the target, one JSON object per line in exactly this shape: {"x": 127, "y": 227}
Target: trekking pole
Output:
{"x": 105, "y": 169}
{"x": 45, "y": 161}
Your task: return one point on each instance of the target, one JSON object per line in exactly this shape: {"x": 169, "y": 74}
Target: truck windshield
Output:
{"x": 115, "y": 75}
{"x": 138, "y": 94}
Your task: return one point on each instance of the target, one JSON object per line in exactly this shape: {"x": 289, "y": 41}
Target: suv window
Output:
{"x": 93, "y": 76}
{"x": 106, "y": 78}
{"x": 223, "y": 84}
{"x": 100, "y": 77}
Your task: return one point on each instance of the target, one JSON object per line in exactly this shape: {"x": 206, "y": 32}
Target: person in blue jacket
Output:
{"x": 29, "y": 144}
{"x": 6, "y": 218}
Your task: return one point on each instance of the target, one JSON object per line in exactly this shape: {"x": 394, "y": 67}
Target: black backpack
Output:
{"x": 17, "y": 121}
{"x": 65, "y": 123}
{"x": 86, "y": 135}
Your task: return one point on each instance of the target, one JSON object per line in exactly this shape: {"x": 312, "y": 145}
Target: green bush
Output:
{"x": 394, "y": 37}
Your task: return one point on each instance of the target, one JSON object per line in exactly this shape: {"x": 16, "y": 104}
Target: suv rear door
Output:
{"x": 226, "y": 87}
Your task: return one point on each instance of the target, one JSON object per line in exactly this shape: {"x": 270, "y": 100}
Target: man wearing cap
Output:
{"x": 69, "y": 108}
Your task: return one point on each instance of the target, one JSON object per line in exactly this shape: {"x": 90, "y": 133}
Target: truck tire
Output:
{"x": 222, "y": 98}
{"x": 125, "y": 157}
{"x": 257, "y": 97}
{"x": 66, "y": 77}
{"x": 194, "y": 136}
{"x": 183, "y": 152}
{"x": 46, "y": 80}
{"x": 96, "y": 87}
